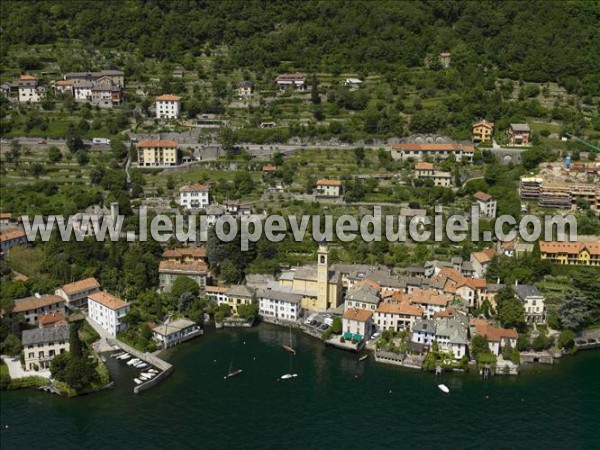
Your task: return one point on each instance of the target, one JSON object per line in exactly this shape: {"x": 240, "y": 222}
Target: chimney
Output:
{"x": 37, "y": 295}
{"x": 114, "y": 211}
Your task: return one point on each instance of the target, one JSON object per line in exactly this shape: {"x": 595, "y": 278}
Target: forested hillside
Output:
{"x": 529, "y": 40}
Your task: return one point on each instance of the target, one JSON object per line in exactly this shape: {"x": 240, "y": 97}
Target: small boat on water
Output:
{"x": 288, "y": 376}
{"x": 232, "y": 373}
{"x": 148, "y": 375}
{"x": 137, "y": 381}
{"x": 289, "y": 348}
{"x": 117, "y": 355}
{"x": 124, "y": 357}
{"x": 103, "y": 358}
{"x": 362, "y": 358}
{"x": 153, "y": 371}
{"x": 133, "y": 362}
{"x": 142, "y": 365}
{"x": 443, "y": 388}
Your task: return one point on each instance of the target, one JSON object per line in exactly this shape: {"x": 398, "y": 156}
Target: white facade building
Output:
{"x": 176, "y": 332}
{"x": 41, "y": 345}
{"x": 279, "y": 305}
{"x": 82, "y": 91}
{"x": 168, "y": 106}
{"x": 194, "y": 196}
{"x": 108, "y": 311}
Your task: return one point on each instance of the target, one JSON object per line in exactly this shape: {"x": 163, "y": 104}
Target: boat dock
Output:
{"x": 150, "y": 359}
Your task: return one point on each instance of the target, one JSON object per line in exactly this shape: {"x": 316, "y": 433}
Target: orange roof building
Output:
{"x": 108, "y": 300}
{"x": 571, "y": 253}
{"x": 157, "y": 153}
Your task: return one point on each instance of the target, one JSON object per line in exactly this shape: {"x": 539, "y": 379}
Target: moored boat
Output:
{"x": 288, "y": 376}
{"x": 137, "y": 381}
{"x": 443, "y": 388}
{"x": 362, "y": 358}
{"x": 233, "y": 373}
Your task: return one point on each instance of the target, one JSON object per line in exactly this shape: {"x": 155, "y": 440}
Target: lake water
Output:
{"x": 334, "y": 404}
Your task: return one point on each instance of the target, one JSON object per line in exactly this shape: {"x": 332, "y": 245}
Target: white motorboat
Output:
{"x": 153, "y": 371}
{"x": 124, "y": 356}
{"x": 443, "y": 388}
{"x": 133, "y": 362}
{"x": 117, "y": 355}
{"x": 142, "y": 365}
{"x": 137, "y": 381}
{"x": 288, "y": 376}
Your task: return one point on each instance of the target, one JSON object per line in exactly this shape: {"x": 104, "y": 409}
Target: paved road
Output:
{"x": 16, "y": 371}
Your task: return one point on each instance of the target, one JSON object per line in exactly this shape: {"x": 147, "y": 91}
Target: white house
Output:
{"x": 327, "y": 188}
{"x": 244, "y": 89}
{"x": 168, "y": 106}
{"x": 216, "y": 293}
{"x": 82, "y": 91}
{"x": 482, "y": 260}
{"x": 29, "y": 89}
{"x": 176, "y": 332}
{"x": 423, "y": 332}
{"x": 533, "y": 301}
{"x": 76, "y": 294}
{"x": 358, "y": 322}
{"x": 452, "y": 335}
{"x": 486, "y": 203}
{"x": 41, "y": 345}
{"x": 497, "y": 337}
{"x": 108, "y": 311}
{"x": 194, "y": 196}
{"x": 279, "y": 305}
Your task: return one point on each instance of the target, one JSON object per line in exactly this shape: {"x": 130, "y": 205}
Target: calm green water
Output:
{"x": 328, "y": 407}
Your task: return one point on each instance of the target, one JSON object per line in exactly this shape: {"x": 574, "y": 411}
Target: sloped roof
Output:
{"x": 360, "y": 315}
{"x": 108, "y": 300}
{"x": 194, "y": 252}
{"x": 168, "y": 98}
{"x": 281, "y": 296}
{"x": 45, "y": 335}
{"x": 482, "y": 196}
{"x": 157, "y": 143}
{"x": 29, "y": 303}
{"x": 240, "y": 291}
{"x": 167, "y": 329}
{"x": 81, "y": 285}
{"x": 190, "y": 267}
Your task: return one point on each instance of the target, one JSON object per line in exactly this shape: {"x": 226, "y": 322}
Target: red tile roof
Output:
{"x": 50, "y": 319}
{"x": 193, "y": 252}
{"x": 11, "y": 234}
{"x": 108, "y": 300}
{"x": 81, "y": 285}
{"x": 494, "y": 334}
{"x": 399, "y": 308}
{"x": 157, "y": 143}
{"x": 328, "y": 182}
{"x": 168, "y": 98}
{"x": 360, "y": 315}
{"x": 29, "y": 303}
{"x": 482, "y": 196}
{"x": 421, "y": 165}
{"x": 196, "y": 266}
{"x": 571, "y": 248}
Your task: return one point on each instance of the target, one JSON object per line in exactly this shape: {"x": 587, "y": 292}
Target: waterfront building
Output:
{"x": 175, "y": 332}
{"x": 76, "y": 294}
{"x": 533, "y": 302}
{"x": 396, "y": 316}
{"x": 279, "y": 305}
{"x": 320, "y": 287}
{"x": 497, "y": 337}
{"x": 108, "y": 311}
{"x": 358, "y": 322}
{"x": 452, "y": 335}
{"x": 240, "y": 295}
{"x": 41, "y": 345}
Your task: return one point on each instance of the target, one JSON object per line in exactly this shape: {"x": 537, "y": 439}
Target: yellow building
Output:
{"x": 571, "y": 253}
{"x": 482, "y": 131}
{"x": 157, "y": 153}
{"x": 321, "y": 288}
{"x": 240, "y": 295}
